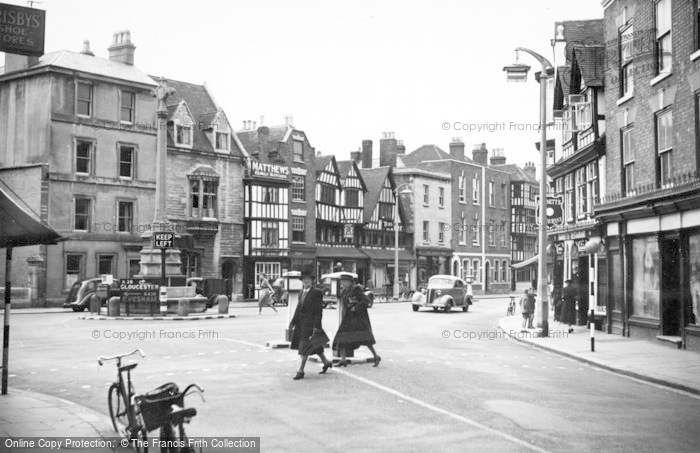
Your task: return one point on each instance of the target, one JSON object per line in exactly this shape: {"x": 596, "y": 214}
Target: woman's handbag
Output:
{"x": 316, "y": 343}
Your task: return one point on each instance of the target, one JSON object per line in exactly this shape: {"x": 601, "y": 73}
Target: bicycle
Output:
{"x": 511, "y": 307}
{"x": 161, "y": 408}
{"x": 164, "y": 408}
{"x": 122, "y": 409}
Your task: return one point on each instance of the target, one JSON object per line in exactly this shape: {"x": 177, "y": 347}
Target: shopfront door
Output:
{"x": 670, "y": 287}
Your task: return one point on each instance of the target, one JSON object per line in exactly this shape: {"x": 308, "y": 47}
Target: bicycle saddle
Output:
{"x": 128, "y": 367}
{"x": 179, "y": 414}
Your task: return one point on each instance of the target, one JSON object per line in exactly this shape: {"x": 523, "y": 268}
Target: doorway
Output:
{"x": 584, "y": 288}
{"x": 670, "y": 287}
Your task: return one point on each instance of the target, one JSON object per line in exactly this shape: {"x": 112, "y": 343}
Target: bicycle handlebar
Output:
{"x": 117, "y": 357}
{"x": 198, "y": 389}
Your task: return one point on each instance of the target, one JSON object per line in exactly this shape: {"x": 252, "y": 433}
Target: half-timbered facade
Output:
{"x": 267, "y": 224}
{"x": 336, "y": 245}
{"x": 376, "y": 237}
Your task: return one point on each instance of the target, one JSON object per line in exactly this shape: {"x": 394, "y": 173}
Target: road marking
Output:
{"x": 460, "y": 418}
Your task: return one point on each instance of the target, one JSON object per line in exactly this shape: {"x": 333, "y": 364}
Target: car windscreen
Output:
{"x": 441, "y": 283}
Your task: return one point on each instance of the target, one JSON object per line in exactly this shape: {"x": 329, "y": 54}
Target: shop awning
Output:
{"x": 19, "y": 225}
{"x": 339, "y": 252}
{"x": 388, "y": 255}
{"x": 527, "y": 262}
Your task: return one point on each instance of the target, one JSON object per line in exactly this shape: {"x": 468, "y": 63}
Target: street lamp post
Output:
{"x": 518, "y": 73}
{"x": 396, "y": 235}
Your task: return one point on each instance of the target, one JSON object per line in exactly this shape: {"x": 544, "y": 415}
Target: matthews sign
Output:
{"x": 22, "y": 30}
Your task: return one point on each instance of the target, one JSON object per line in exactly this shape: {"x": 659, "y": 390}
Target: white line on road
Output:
{"x": 429, "y": 406}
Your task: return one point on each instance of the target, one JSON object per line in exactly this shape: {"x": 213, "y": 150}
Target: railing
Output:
{"x": 679, "y": 182}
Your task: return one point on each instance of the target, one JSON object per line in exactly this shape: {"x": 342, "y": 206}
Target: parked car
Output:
{"x": 80, "y": 293}
{"x": 444, "y": 292}
{"x": 330, "y": 285}
{"x": 211, "y": 288}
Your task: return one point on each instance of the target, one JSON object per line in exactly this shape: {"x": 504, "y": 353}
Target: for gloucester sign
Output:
{"x": 22, "y": 30}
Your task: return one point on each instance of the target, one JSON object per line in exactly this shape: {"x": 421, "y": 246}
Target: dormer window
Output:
{"x": 222, "y": 141}
{"x": 183, "y": 135}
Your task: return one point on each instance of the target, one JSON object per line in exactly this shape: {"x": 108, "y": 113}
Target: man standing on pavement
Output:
{"x": 568, "y": 309}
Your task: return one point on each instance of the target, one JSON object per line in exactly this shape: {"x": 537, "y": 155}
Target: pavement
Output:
{"x": 29, "y": 416}
{"x": 641, "y": 359}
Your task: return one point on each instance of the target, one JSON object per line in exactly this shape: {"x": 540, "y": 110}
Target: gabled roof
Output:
{"x": 427, "y": 152}
{"x": 203, "y": 110}
{"x": 89, "y": 64}
{"x": 374, "y": 181}
{"x": 591, "y": 63}
{"x": 250, "y": 141}
{"x": 322, "y": 163}
{"x": 517, "y": 173}
{"x": 581, "y": 33}
{"x": 344, "y": 167}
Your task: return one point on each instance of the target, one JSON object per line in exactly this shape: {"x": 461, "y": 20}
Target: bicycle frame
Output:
{"x": 125, "y": 389}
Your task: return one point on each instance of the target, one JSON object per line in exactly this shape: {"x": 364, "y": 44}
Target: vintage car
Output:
{"x": 80, "y": 293}
{"x": 330, "y": 285}
{"x": 446, "y": 292}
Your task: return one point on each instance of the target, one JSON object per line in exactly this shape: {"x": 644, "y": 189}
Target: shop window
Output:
{"x": 694, "y": 274}
{"x": 646, "y": 273}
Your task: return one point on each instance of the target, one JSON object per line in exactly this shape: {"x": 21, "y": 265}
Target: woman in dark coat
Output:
{"x": 307, "y": 322}
{"x": 568, "y": 308}
{"x": 355, "y": 330}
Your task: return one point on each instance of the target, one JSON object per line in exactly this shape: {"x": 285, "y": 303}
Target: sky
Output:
{"x": 346, "y": 71}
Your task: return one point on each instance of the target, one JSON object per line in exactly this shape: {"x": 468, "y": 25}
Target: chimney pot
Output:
{"x": 86, "y": 48}
{"x": 122, "y": 50}
{"x": 255, "y": 125}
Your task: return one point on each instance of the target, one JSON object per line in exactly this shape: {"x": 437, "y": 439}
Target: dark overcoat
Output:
{"x": 355, "y": 330}
{"x": 307, "y": 317}
{"x": 568, "y": 307}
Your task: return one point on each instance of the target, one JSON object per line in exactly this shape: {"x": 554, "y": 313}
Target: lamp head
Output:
{"x": 516, "y": 72}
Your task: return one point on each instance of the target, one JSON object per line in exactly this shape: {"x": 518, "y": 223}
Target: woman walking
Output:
{"x": 265, "y": 298}
{"x": 355, "y": 329}
{"x": 308, "y": 336}
{"x": 525, "y": 308}
{"x": 568, "y": 308}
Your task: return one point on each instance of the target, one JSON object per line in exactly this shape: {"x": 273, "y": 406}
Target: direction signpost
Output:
{"x": 163, "y": 240}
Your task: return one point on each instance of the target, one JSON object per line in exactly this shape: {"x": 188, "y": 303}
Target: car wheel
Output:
{"x": 465, "y": 308}
{"x": 415, "y": 307}
{"x": 78, "y": 308}
{"x": 448, "y": 307}
{"x": 435, "y": 309}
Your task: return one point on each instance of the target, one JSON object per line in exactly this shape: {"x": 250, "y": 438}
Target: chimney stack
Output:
{"x": 14, "y": 62}
{"x": 356, "y": 157}
{"x": 530, "y": 170}
{"x": 480, "y": 155}
{"x": 289, "y": 120}
{"x": 498, "y": 157}
{"x": 122, "y": 50}
{"x": 86, "y": 48}
{"x": 387, "y": 150}
{"x": 457, "y": 148}
{"x": 366, "y": 153}
{"x": 400, "y": 148}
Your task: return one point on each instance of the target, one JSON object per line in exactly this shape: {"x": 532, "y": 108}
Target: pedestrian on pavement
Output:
{"x": 568, "y": 308}
{"x": 531, "y": 306}
{"x": 306, "y": 323}
{"x": 355, "y": 329}
{"x": 265, "y": 298}
{"x": 525, "y": 308}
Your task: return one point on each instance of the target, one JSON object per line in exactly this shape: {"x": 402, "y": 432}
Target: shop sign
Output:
{"x": 263, "y": 170}
{"x": 581, "y": 245}
{"x": 22, "y": 30}
{"x": 348, "y": 231}
{"x": 554, "y": 212}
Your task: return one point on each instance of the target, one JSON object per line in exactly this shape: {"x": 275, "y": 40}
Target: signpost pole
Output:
{"x": 162, "y": 267}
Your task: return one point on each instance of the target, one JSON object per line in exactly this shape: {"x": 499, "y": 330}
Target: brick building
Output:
{"x": 651, "y": 213}
{"x": 480, "y": 212}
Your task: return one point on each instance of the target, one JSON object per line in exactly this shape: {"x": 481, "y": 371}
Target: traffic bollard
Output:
{"x": 592, "y": 323}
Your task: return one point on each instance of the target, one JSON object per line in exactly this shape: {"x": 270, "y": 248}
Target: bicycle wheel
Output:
{"x": 117, "y": 408}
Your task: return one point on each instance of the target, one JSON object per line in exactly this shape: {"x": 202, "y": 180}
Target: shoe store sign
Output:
{"x": 22, "y": 30}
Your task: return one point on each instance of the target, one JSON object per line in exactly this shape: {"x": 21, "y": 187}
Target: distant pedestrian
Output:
{"x": 355, "y": 329}
{"x": 525, "y": 308}
{"x": 568, "y": 308}
{"x": 306, "y": 324}
{"x": 265, "y": 297}
{"x": 531, "y": 305}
